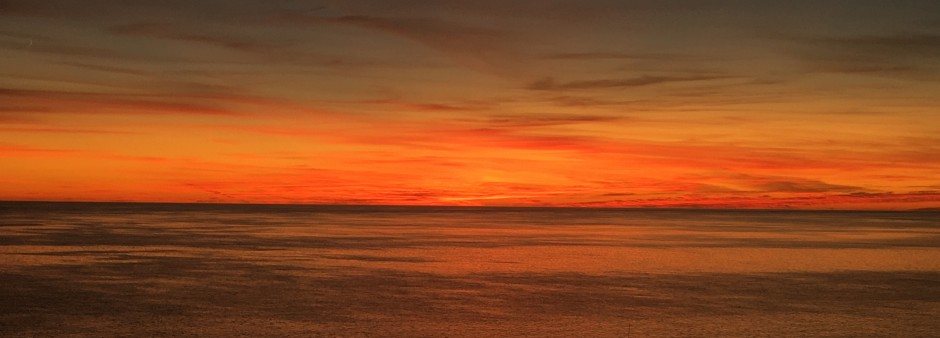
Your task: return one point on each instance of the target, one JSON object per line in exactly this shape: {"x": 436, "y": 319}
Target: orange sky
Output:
{"x": 802, "y": 104}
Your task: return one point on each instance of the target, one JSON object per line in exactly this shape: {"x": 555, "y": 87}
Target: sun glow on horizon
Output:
{"x": 565, "y": 103}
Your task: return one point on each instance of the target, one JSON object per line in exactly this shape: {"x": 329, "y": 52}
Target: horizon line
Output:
{"x": 593, "y": 207}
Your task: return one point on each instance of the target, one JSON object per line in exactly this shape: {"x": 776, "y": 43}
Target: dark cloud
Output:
{"x": 37, "y": 44}
{"x": 482, "y": 49}
{"x": 156, "y": 27}
{"x": 903, "y": 55}
{"x": 646, "y": 80}
{"x": 776, "y": 183}
{"x": 903, "y": 45}
{"x": 100, "y": 11}
{"x": 175, "y": 32}
{"x": 210, "y": 189}
{"x": 60, "y": 130}
{"x": 712, "y": 188}
{"x": 108, "y": 68}
{"x": 78, "y": 50}
{"x": 914, "y": 196}
{"x": 584, "y": 101}
{"x": 546, "y": 120}
{"x": 425, "y": 106}
{"x": 562, "y": 11}
{"x": 12, "y": 115}
{"x": 82, "y": 102}
{"x": 590, "y": 56}
{"x": 22, "y": 36}
{"x": 803, "y": 185}
{"x": 14, "y": 149}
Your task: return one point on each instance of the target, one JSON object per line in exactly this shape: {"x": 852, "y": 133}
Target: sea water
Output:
{"x": 134, "y": 269}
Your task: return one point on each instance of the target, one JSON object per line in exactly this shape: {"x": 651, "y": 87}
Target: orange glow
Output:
{"x": 469, "y": 109}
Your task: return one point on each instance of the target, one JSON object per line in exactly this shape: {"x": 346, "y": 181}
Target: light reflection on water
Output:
{"x": 130, "y": 269}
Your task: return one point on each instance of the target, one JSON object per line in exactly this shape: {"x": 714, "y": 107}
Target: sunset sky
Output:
{"x": 758, "y": 104}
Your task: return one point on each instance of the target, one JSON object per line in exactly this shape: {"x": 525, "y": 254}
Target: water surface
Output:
{"x": 123, "y": 269}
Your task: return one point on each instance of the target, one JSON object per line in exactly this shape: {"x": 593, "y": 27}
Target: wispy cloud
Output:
{"x": 151, "y": 98}
{"x": 427, "y": 106}
{"x": 13, "y": 150}
{"x": 482, "y": 49}
{"x": 13, "y": 115}
{"x": 37, "y": 44}
{"x": 791, "y": 184}
{"x": 31, "y": 100}
{"x": 898, "y": 45}
{"x": 107, "y": 68}
{"x": 885, "y": 200}
{"x": 907, "y": 55}
{"x": 190, "y": 34}
{"x": 98, "y": 11}
{"x": 593, "y": 56}
{"x": 542, "y": 120}
{"x": 646, "y": 80}
{"x": 61, "y": 130}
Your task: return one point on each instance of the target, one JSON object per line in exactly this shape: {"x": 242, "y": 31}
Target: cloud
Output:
{"x": 53, "y": 46}
{"x": 261, "y": 45}
{"x": 209, "y": 188}
{"x": 905, "y": 45}
{"x": 17, "y": 150}
{"x": 17, "y": 35}
{"x": 107, "y": 69}
{"x": 882, "y": 201}
{"x": 161, "y": 97}
{"x": 592, "y": 56}
{"x": 549, "y": 83}
{"x": 588, "y": 99}
{"x": 61, "y": 130}
{"x": 803, "y": 185}
{"x": 481, "y": 49}
{"x": 425, "y": 106}
{"x": 712, "y": 189}
{"x": 177, "y": 32}
{"x": 77, "y": 50}
{"x": 49, "y": 101}
{"x": 207, "y": 22}
{"x": 543, "y": 120}
{"x": 101, "y": 11}
{"x": 13, "y": 115}
{"x": 14, "y": 150}
{"x": 776, "y": 183}
{"x": 902, "y": 55}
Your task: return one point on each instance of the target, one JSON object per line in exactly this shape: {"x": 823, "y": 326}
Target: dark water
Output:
{"x": 237, "y": 270}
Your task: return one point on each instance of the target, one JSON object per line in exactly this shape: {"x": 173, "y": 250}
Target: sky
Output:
{"x": 724, "y": 104}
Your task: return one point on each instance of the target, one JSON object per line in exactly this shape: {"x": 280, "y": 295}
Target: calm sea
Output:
{"x": 122, "y": 269}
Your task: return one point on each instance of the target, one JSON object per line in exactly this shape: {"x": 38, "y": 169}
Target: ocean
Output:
{"x": 211, "y": 270}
